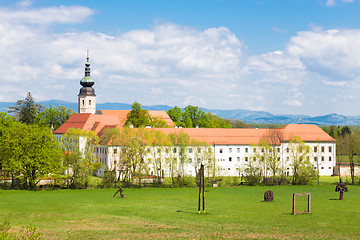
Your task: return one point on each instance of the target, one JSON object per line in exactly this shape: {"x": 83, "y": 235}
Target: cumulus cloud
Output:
{"x": 175, "y": 65}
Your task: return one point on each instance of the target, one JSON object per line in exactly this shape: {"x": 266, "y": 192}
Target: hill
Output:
{"x": 243, "y": 115}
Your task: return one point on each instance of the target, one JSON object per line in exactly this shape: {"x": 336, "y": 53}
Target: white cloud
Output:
{"x": 176, "y": 65}
{"x": 331, "y": 3}
{"x": 45, "y": 16}
{"x": 25, "y": 3}
{"x": 292, "y": 102}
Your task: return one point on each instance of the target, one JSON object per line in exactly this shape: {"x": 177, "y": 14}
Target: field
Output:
{"x": 159, "y": 213}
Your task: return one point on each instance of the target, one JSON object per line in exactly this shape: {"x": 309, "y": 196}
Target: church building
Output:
{"x": 232, "y": 150}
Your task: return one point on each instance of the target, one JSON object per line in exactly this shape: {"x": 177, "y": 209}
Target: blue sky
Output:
{"x": 295, "y": 56}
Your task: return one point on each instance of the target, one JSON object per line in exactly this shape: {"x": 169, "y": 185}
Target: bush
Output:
{"x": 29, "y": 233}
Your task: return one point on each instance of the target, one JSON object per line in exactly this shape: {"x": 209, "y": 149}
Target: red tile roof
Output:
{"x": 122, "y": 114}
{"x": 219, "y": 136}
{"x": 306, "y": 132}
{"x": 96, "y": 122}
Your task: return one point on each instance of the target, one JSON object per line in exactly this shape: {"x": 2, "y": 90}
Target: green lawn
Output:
{"x": 161, "y": 213}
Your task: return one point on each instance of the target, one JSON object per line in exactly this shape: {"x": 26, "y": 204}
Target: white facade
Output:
{"x": 229, "y": 160}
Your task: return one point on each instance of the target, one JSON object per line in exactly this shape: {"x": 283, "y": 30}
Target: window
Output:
{"x": 190, "y": 150}
{"x": 246, "y": 159}
{"x": 278, "y": 150}
{"x": 287, "y": 159}
{"x": 238, "y": 150}
{"x": 287, "y": 149}
{"x": 322, "y": 149}
{"x": 315, "y": 159}
{"x": 322, "y": 158}
{"x": 158, "y": 150}
{"x": 230, "y": 159}
{"x": 174, "y": 150}
{"x": 238, "y": 159}
{"x": 115, "y": 150}
{"x": 190, "y": 160}
{"x": 230, "y": 150}
{"x": 330, "y": 149}
{"x": 199, "y": 150}
{"x": 278, "y": 159}
{"x": 246, "y": 150}
{"x": 209, "y": 150}
{"x": 330, "y": 159}
{"x": 322, "y": 167}
{"x": 254, "y": 159}
{"x": 315, "y": 149}
{"x": 314, "y": 167}
{"x": 220, "y": 150}
{"x": 329, "y": 167}
{"x": 229, "y": 169}
{"x": 89, "y": 102}
{"x": 262, "y": 150}
{"x": 83, "y": 102}
{"x": 254, "y": 149}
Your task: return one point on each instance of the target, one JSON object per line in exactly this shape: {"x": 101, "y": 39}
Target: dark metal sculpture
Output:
{"x": 201, "y": 188}
{"x": 268, "y": 196}
{"x": 121, "y": 193}
{"x": 341, "y": 187}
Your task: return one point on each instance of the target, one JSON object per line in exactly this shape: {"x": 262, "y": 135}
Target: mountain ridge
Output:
{"x": 246, "y": 116}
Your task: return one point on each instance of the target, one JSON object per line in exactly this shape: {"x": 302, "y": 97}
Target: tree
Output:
{"x": 238, "y": 124}
{"x": 193, "y": 116}
{"x": 350, "y": 145}
{"x": 202, "y": 154}
{"x": 138, "y": 117}
{"x": 160, "y": 148}
{"x": 79, "y": 159}
{"x": 180, "y": 142}
{"x": 53, "y": 116}
{"x": 26, "y": 110}
{"x": 303, "y": 169}
{"x": 176, "y": 115}
{"x": 30, "y": 151}
{"x": 134, "y": 143}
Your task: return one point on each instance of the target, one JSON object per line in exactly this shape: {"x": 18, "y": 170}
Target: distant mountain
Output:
{"x": 243, "y": 115}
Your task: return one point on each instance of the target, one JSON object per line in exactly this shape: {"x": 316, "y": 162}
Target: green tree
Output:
{"x": 26, "y": 110}
{"x": 134, "y": 143}
{"x": 31, "y": 151}
{"x": 345, "y": 131}
{"x": 80, "y": 162}
{"x": 350, "y": 145}
{"x": 238, "y": 124}
{"x": 193, "y": 116}
{"x": 138, "y": 117}
{"x": 303, "y": 169}
{"x": 180, "y": 142}
{"x": 176, "y": 115}
{"x": 53, "y": 116}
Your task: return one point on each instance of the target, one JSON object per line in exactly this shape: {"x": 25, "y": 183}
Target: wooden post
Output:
{"x": 294, "y": 203}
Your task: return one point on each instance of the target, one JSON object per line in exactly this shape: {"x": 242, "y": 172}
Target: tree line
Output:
{"x": 28, "y": 148}
{"x": 150, "y": 152}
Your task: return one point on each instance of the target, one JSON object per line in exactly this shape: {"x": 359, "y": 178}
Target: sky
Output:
{"x": 282, "y": 57}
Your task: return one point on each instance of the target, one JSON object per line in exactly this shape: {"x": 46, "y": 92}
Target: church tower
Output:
{"x": 87, "y": 97}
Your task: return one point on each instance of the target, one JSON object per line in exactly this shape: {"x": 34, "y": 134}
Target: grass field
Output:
{"x": 159, "y": 213}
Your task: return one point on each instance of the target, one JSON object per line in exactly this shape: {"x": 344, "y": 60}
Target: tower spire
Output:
{"x": 87, "y": 97}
